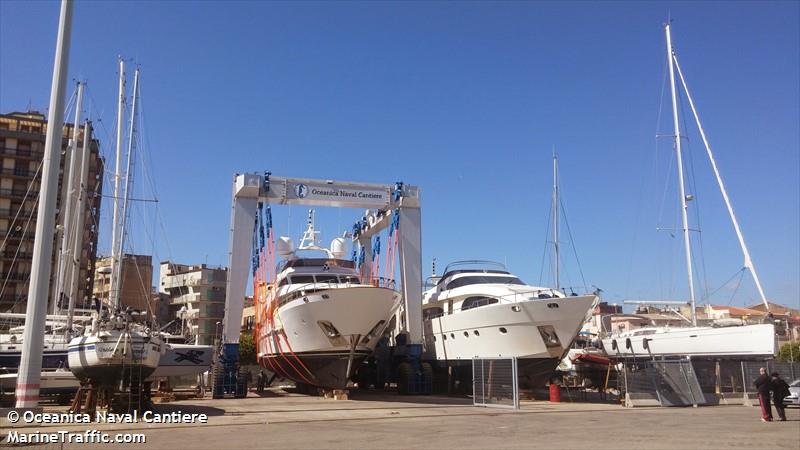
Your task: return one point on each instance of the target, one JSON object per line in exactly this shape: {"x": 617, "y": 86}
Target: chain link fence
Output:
{"x": 494, "y": 382}
{"x": 694, "y": 382}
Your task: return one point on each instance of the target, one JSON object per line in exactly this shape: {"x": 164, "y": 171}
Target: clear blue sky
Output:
{"x": 465, "y": 100}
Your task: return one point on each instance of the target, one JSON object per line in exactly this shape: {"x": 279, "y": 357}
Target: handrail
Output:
{"x": 531, "y": 295}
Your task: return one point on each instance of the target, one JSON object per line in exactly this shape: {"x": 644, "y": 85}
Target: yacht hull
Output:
{"x": 112, "y": 357}
{"x": 536, "y": 332}
{"x": 184, "y": 360}
{"x": 319, "y": 339}
{"x": 746, "y": 341}
{"x": 534, "y": 329}
{"x": 52, "y": 382}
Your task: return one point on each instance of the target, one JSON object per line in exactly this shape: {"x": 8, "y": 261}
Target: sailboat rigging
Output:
{"x": 757, "y": 340}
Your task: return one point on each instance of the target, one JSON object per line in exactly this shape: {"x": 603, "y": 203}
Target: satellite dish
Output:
{"x": 285, "y": 246}
{"x": 338, "y": 248}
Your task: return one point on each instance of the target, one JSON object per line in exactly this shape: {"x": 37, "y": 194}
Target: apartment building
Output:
{"x": 199, "y": 288}
{"x": 22, "y": 140}
{"x": 135, "y": 283}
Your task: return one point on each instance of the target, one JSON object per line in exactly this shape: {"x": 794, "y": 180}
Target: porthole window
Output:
{"x": 503, "y": 330}
{"x": 444, "y": 337}
{"x": 477, "y": 333}
{"x": 466, "y": 334}
{"x": 434, "y": 339}
{"x": 452, "y": 336}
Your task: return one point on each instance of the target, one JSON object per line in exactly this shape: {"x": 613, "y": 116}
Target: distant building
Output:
{"x": 135, "y": 287}
{"x": 22, "y": 140}
{"x": 787, "y": 326}
{"x": 594, "y": 326}
{"x": 201, "y": 290}
{"x": 248, "y": 314}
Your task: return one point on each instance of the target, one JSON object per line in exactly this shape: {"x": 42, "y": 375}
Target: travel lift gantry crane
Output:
{"x": 403, "y": 200}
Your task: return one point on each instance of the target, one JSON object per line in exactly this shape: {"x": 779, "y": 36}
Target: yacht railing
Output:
{"x": 512, "y": 298}
{"x": 307, "y": 288}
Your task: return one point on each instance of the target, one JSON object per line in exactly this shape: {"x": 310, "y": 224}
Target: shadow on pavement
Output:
{"x": 210, "y": 411}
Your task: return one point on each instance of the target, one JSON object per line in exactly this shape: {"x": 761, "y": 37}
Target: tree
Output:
{"x": 247, "y": 349}
{"x": 789, "y": 352}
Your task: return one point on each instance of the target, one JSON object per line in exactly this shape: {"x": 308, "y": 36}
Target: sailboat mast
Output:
{"x": 555, "y": 220}
{"x": 30, "y": 367}
{"x": 679, "y": 156}
{"x": 77, "y": 245}
{"x": 68, "y": 206}
{"x": 128, "y": 177}
{"x": 114, "y": 288}
{"x": 748, "y": 263}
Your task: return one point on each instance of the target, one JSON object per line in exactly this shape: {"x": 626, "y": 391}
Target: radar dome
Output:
{"x": 285, "y": 246}
{"x": 338, "y": 248}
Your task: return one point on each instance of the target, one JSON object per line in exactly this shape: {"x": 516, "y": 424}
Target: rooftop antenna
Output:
{"x": 433, "y": 267}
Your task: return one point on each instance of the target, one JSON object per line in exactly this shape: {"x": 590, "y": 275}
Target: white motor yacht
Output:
{"x": 319, "y": 321}
{"x": 477, "y": 309}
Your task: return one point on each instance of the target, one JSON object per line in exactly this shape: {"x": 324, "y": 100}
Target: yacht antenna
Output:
{"x": 679, "y": 156}
{"x": 748, "y": 263}
{"x": 310, "y": 235}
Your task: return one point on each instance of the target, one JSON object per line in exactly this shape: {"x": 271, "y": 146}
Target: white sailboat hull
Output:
{"x": 52, "y": 382}
{"x": 747, "y": 341}
{"x": 184, "y": 360}
{"x": 105, "y": 357}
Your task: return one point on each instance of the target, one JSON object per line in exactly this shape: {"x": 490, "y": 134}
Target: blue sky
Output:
{"x": 467, "y": 101}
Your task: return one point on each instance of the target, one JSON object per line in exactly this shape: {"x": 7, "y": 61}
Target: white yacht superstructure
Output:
{"x": 319, "y": 321}
{"x": 478, "y": 309}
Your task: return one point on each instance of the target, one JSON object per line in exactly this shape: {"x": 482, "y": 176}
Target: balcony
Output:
{"x": 22, "y": 152}
{"x": 18, "y": 193}
{"x": 19, "y": 235}
{"x": 12, "y": 254}
{"x": 19, "y": 172}
{"x": 16, "y": 276}
{"x": 9, "y": 213}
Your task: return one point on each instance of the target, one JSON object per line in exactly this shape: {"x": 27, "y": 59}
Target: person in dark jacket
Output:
{"x": 780, "y": 390}
{"x": 764, "y": 386}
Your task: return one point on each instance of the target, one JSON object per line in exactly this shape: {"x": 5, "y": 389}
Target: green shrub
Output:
{"x": 247, "y": 349}
{"x": 789, "y": 352}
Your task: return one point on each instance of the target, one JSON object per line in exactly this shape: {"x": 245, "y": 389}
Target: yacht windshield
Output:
{"x": 483, "y": 279}
{"x": 321, "y": 278}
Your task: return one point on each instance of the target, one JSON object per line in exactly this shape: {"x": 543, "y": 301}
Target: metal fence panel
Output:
{"x": 664, "y": 383}
{"x": 494, "y": 382}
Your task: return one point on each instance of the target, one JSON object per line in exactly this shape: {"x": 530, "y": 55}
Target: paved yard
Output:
{"x": 390, "y": 421}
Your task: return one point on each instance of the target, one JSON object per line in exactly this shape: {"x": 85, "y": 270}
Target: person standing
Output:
{"x": 780, "y": 390}
{"x": 764, "y": 386}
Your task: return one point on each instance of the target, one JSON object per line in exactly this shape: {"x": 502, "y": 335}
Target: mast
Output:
{"x": 68, "y": 205}
{"x": 30, "y": 368}
{"x": 679, "y": 156}
{"x": 77, "y": 247}
{"x": 128, "y": 175}
{"x": 114, "y": 288}
{"x": 748, "y": 263}
{"x": 555, "y": 220}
